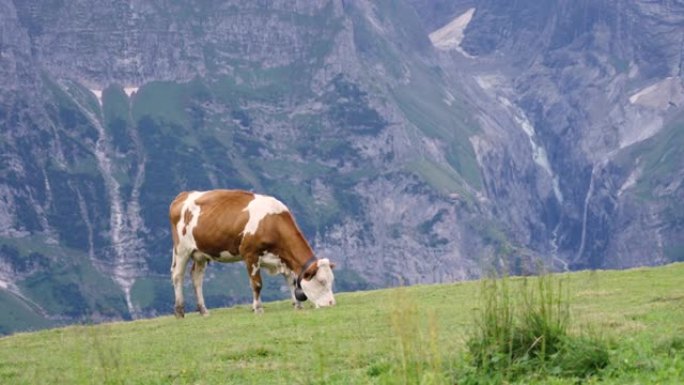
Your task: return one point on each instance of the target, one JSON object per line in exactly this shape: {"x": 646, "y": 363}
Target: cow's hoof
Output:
{"x": 179, "y": 311}
{"x": 258, "y": 310}
{"x": 203, "y": 311}
{"x": 297, "y": 306}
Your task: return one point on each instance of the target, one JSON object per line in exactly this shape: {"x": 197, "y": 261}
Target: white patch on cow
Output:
{"x": 269, "y": 259}
{"x": 318, "y": 289}
{"x": 200, "y": 256}
{"x": 260, "y": 207}
{"x": 186, "y": 242}
{"x": 227, "y": 257}
{"x": 223, "y": 257}
{"x": 272, "y": 263}
{"x": 256, "y": 306}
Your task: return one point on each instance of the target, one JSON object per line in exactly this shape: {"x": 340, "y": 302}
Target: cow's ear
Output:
{"x": 310, "y": 272}
{"x": 332, "y": 265}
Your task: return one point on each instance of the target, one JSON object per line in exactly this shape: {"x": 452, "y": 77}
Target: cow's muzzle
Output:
{"x": 299, "y": 293}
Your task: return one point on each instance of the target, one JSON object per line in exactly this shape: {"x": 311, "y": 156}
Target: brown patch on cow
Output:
{"x": 280, "y": 234}
{"x": 188, "y": 217}
{"x": 186, "y": 220}
{"x": 221, "y": 221}
{"x": 311, "y": 271}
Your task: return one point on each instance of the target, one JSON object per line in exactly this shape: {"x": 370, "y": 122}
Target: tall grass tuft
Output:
{"x": 543, "y": 321}
{"x": 526, "y": 333}
{"x": 417, "y": 356}
{"x": 491, "y": 343}
{"x": 107, "y": 355}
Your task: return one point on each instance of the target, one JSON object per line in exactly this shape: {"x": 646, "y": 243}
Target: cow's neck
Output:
{"x": 301, "y": 256}
{"x": 294, "y": 251}
{"x": 307, "y": 264}
{"x": 302, "y": 261}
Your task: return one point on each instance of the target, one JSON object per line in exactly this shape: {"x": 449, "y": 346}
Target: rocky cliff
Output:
{"x": 415, "y": 142}
{"x": 597, "y": 88}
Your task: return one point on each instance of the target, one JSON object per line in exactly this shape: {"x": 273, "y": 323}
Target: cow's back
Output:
{"x": 220, "y": 220}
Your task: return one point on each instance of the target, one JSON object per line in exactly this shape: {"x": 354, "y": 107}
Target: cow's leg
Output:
{"x": 198, "y": 268}
{"x": 291, "y": 284}
{"x": 180, "y": 260}
{"x": 252, "y": 265}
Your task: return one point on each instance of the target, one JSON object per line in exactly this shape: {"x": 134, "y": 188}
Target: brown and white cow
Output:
{"x": 234, "y": 225}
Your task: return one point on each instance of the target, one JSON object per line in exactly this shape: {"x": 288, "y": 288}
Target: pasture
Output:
{"x": 406, "y": 335}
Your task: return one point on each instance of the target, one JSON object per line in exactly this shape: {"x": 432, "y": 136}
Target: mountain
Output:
{"x": 597, "y": 89}
{"x": 414, "y": 141}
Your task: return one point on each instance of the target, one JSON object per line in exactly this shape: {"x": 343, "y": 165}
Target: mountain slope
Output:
{"x": 519, "y": 133}
{"x": 382, "y": 336}
{"x": 593, "y": 86}
{"x": 321, "y": 114}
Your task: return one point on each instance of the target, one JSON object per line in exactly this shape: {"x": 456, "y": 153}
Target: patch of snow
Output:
{"x": 98, "y": 95}
{"x": 130, "y": 91}
{"x": 631, "y": 181}
{"x": 487, "y": 82}
{"x": 451, "y": 35}
{"x": 647, "y": 109}
{"x": 644, "y": 126}
{"x": 449, "y": 99}
{"x": 661, "y": 95}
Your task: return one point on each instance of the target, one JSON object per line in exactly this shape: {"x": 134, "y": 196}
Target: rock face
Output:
{"x": 415, "y": 141}
{"x": 599, "y": 86}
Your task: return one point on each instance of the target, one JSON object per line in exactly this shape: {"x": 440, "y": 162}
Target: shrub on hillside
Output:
{"x": 527, "y": 335}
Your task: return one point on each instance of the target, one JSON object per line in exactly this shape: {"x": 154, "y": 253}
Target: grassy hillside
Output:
{"x": 406, "y": 335}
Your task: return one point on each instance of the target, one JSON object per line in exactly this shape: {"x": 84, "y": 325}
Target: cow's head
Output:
{"x": 317, "y": 282}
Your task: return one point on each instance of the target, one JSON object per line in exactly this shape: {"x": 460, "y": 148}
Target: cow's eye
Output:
{"x": 323, "y": 282}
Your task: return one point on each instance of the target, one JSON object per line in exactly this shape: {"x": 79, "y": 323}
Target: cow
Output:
{"x": 234, "y": 225}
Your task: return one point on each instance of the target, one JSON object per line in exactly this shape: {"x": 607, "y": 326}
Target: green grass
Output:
{"x": 439, "y": 177}
{"x": 659, "y": 158}
{"x": 19, "y": 315}
{"x": 449, "y": 124}
{"x": 412, "y": 335}
{"x": 167, "y": 101}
